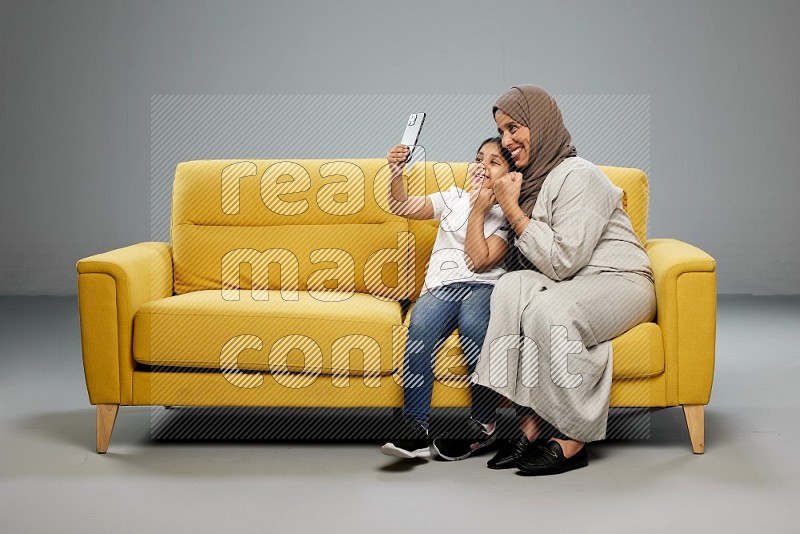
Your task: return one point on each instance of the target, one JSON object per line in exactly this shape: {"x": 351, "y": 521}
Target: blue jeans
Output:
{"x": 436, "y": 314}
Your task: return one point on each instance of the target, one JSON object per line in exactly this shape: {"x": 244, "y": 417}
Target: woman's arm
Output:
{"x": 482, "y": 253}
{"x": 416, "y": 207}
{"x": 564, "y": 245}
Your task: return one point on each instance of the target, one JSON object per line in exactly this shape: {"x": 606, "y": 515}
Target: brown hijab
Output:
{"x": 551, "y": 143}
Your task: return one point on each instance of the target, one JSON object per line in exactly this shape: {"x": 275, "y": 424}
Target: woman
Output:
{"x": 581, "y": 277}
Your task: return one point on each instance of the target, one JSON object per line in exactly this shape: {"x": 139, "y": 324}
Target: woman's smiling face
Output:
{"x": 516, "y": 138}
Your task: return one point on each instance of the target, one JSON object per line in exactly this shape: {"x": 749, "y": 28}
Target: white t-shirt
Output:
{"x": 448, "y": 263}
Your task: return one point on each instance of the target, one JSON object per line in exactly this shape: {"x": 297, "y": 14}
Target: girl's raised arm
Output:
{"x": 416, "y": 207}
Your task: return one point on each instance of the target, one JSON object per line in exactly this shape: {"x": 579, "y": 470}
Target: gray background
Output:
{"x": 719, "y": 78}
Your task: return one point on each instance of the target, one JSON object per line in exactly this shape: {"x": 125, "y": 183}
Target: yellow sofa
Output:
{"x": 288, "y": 283}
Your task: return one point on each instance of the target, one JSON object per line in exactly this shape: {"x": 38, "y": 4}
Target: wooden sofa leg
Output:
{"x": 106, "y": 416}
{"x": 695, "y": 420}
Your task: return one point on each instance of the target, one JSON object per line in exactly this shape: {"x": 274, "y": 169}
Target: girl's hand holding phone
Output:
{"x": 396, "y": 157}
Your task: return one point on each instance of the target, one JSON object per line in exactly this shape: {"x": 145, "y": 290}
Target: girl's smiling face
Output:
{"x": 489, "y": 164}
{"x": 516, "y": 138}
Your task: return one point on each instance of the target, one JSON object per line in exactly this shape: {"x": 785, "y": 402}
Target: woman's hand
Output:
{"x": 506, "y": 191}
{"x": 397, "y": 157}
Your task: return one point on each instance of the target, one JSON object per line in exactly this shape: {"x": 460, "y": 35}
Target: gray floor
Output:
{"x": 52, "y": 480}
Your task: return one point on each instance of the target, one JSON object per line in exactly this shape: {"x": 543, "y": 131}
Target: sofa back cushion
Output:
{"x": 635, "y": 197}
{"x": 290, "y": 225}
{"x": 442, "y": 175}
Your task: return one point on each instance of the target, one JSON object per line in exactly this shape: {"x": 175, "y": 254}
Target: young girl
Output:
{"x": 465, "y": 263}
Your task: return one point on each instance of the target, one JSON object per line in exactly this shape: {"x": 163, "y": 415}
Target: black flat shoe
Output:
{"x": 548, "y": 459}
{"x": 510, "y": 451}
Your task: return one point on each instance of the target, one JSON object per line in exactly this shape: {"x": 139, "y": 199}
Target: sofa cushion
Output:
{"x": 352, "y": 336}
{"x": 343, "y": 257}
{"x": 635, "y": 197}
{"x": 638, "y": 353}
{"x": 222, "y": 208}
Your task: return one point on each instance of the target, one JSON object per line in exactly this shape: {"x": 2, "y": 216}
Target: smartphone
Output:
{"x": 411, "y": 135}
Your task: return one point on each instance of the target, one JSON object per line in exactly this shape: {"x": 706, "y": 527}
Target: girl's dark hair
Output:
{"x": 503, "y": 151}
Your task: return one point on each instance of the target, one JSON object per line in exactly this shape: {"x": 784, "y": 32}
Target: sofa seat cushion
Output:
{"x": 202, "y": 330}
{"x": 638, "y": 353}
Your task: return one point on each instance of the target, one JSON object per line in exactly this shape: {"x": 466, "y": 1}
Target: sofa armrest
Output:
{"x": 686, "y": 293}
{"x": 111, "y": 287}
